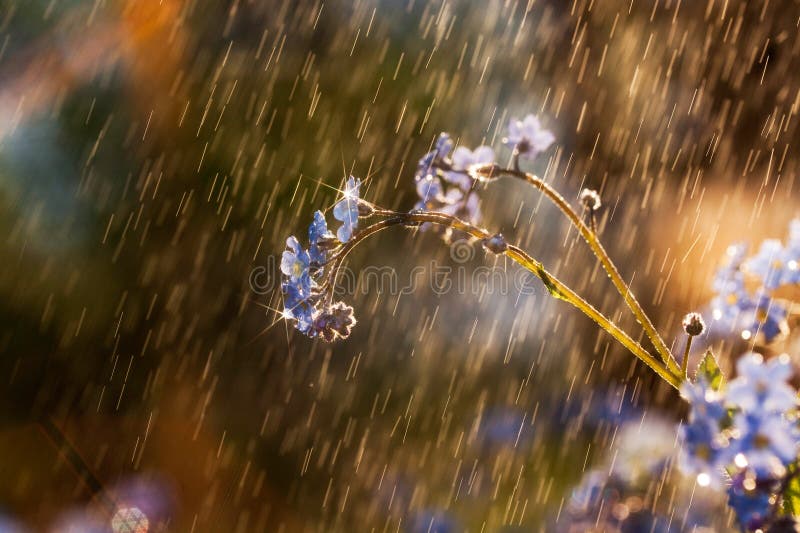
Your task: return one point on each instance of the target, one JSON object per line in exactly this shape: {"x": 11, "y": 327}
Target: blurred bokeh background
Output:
{"x": 153, "y": 154}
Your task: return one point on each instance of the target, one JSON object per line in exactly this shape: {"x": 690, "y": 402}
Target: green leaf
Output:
{"x": 791, "y": 496}
{"x": 549, "y": 285}
{"x": 708, "y": 369}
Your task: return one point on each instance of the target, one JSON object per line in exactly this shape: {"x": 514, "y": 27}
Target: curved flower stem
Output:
{"x": 554, "y": 286}
{"x": 590, "y": 236}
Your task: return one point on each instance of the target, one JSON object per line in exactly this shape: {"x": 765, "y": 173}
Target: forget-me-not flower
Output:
{"x": 346, "y": 209}
{"x": 527, "y": 137}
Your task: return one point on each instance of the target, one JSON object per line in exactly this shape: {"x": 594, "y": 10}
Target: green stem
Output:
{"x": 685, "y": 361}
{"x": 591, "y": 239}
{"x": 554, "y": 286}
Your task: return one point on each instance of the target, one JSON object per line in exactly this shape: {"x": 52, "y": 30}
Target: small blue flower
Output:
{"x": 764, "y": 316}
{"x": 528, "y": 137}
{"x": 296, "y": 305}
{"x": 317, "y": 232}
{"x": 463, "y": 158}
{"x": 765, "y": 443}
{"x": 346, "y": 209}
{"x": 295, "y": 260}
{"x": 429, "y": 161}
{"x": 506, "y": 427}
{"x": 769, "y": 264}
{"x": 762, "y": 386}
{"x": 705, "y": 403}
{"x": 429, "y": 189}
{"x": 752, "y": 507}
{"x": 703, "y": 453}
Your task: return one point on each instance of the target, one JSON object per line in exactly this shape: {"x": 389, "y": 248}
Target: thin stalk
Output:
{"x": 591, "y": 239}
{"x": 554, "y": 286}
{"x": 685, "y": 361}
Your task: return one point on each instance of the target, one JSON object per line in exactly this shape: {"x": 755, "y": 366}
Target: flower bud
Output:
{"x": 496, "y": 243}
{"x": 693, "y": 324}
{"x": 590, "y": 199}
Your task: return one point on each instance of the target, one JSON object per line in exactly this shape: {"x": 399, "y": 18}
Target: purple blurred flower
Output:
{"x": 463, "y": 158}
{"x": 528, "y": 137}
{"x": 762, "y": 386}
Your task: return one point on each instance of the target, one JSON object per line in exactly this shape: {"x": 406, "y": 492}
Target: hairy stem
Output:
{"x": 554, "y": 286}
{"x": 685, "y": 361}
{"x": 590, "y": 236}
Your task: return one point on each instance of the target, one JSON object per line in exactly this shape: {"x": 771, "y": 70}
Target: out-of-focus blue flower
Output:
{"x": 588, "y": 494}
{"x": 793, "y": 242}
{"x": 10, "y": 525}
{"x": 643, "y": 448}
{"x": 765, "y": 316}
{"x": 443, "y": 182}
{"x": 762, "y": 386}
{"x": 770, "y": 264}
{"x": 528, "y": 137}
{"x": 441, "y": 149}
{"x": 346, "y": 209}
{"x": 752, "y": 507}
{"x": 705, "y": 403}
{"x": 768, "y": 442}
{"x": 295, "y": 260}
{"x": 505, "y": 427}
{"x": 703, "y": 451}
{"x": 434, "y": 522}
{"x": 317, "y": 234}
{"x": 463, "y": 158}
{"x": 430, "y": 190}
{"x": 733, "y": 310}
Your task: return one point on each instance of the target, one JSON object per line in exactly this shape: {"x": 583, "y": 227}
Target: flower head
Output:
{"x": 333, "y": 322}
{"x": 703, "y": 451}
{"x": 765, "y": 443}
{"x": 346, "y": 209}
{"x": 762, "y": 386}
{"x": 693, "y": 324}
{"x": 528, "y": 137}
{"x": 295, "y": 260}
{"x": 765, "y": 316}
{"x": 770, "y": 264}
{"x": 590, "y": 199}
{"x": 444, "y": 185}
{"x": 464, "y": 158}
{"x": 318, "y": 238}
{"x": 752, "y": 506}
{"x": 430, "y": 190}
{"x": 428, "y": 162}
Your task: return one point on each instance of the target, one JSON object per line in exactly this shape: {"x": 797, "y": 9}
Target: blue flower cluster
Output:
{"x": 745, "y": 434}
{"x": 305, "y": 303}
{"x": 444, "y": 183}
{"x": 751, "y": 292}
{"x": 444, "y": 180}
